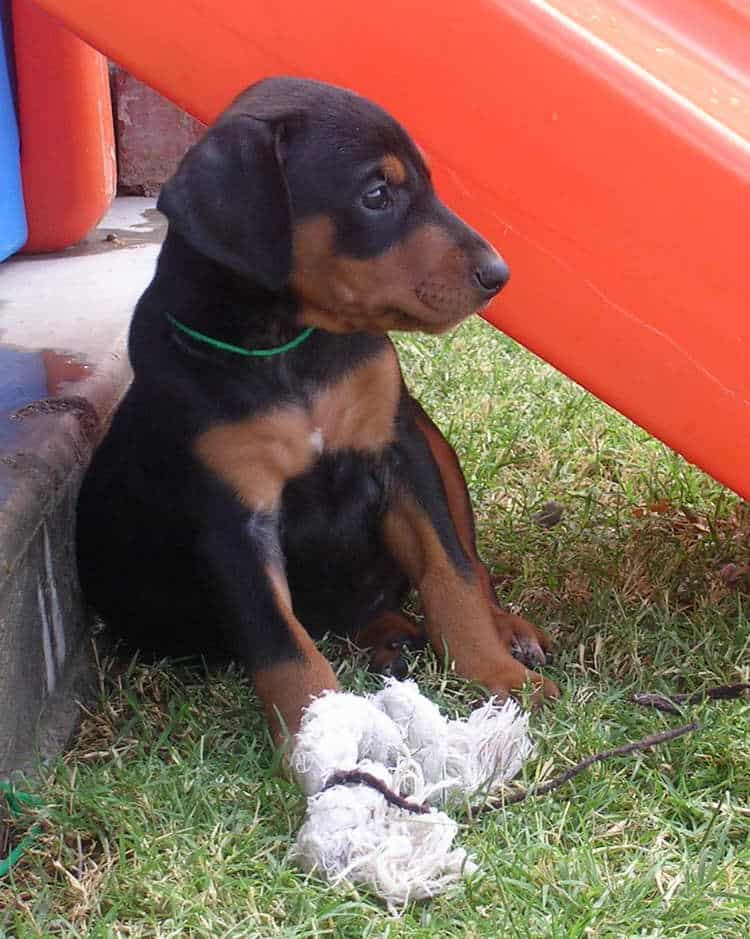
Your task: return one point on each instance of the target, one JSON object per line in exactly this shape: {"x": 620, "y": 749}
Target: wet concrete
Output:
{"x": 63, "y": 324}
{"x": 102, "y": 240}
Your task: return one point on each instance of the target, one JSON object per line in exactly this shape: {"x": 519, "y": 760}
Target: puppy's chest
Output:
{"x": 259, "y": 454}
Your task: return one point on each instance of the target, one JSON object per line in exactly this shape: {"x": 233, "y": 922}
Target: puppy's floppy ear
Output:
{"x": 229, "y": 200}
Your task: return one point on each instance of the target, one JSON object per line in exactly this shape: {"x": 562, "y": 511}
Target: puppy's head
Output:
{"x": 304, "y": 187}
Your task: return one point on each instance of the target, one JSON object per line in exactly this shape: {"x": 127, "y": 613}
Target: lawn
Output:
{"x": 167, "y": 817}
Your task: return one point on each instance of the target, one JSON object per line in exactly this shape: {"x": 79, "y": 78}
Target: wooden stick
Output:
{"x": 646, "y": 743}
{"x": 669, "y": 704}
{"x": 355, "y": 777}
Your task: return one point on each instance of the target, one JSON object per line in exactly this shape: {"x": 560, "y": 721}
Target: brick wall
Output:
{"x": 152, "y": 135}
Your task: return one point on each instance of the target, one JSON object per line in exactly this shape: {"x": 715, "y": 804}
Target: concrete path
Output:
{"x": 63, "y": 367}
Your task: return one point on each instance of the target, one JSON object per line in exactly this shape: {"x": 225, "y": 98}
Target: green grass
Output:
{"x": 168, "y": 818}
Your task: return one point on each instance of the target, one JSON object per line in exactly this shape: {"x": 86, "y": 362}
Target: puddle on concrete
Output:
{"x": 102, "y": 240}
{"x": 154, "y": 219}
{"x": 28, "y": 376}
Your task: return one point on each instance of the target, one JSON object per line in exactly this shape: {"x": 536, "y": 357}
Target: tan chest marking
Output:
{"x": 358, "y": 412}
{"x": 257, "y": 456}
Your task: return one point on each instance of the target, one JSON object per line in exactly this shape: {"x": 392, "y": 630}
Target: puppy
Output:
{"x": 268, "y": 477}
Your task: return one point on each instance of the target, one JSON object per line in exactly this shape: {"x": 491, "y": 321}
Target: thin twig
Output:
{"x": 355, "y": 777}
{"x": 648, "y": 699}
{"x": 670, "y": 704}
{"x": 557, "y": 781}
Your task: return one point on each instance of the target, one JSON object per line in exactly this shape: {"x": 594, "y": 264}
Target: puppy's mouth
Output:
{"x": 450, "y": 300}
{"x": 442, "y": 307}
{"x": 432, "y": 308}
{"x": 408, "y": 322}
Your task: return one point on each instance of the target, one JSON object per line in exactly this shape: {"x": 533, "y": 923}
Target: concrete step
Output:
{"x": 63, "y": 367}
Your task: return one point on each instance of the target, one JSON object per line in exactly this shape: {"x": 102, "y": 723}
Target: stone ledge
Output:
{"x": 63, "y": 368}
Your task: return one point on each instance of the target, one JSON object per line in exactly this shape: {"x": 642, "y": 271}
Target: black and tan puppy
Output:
{"x": 268, "y": 477}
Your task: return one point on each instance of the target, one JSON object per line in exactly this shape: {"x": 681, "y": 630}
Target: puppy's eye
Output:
{"x": 377, "y": 198}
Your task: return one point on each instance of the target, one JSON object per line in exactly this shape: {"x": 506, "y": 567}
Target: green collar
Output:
{"x": 228, "y": 347}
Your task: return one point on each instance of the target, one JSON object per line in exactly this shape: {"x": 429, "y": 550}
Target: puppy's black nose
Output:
{"x": 492, "y": 276}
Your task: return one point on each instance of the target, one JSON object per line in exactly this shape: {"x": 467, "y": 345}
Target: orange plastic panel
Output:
{"x": 67, "y": 141}
{"x": 603, "y": 148}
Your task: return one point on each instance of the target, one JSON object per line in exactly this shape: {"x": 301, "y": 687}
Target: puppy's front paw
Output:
{"x": 388, "y": 638}
{"x": 511, "y": 677}
{"x": 526, "y": 642}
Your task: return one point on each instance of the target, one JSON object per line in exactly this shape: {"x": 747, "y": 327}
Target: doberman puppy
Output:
{"x": 268, "y": 477}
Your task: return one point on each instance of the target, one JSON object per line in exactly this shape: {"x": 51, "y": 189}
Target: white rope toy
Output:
{"x": 351, "y": 832}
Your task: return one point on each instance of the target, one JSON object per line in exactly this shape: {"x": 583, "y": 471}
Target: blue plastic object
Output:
{"x": 12, "y": 215}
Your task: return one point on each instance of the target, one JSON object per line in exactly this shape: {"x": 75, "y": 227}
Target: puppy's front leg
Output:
{"x": 429, "y": 530}
{"x": 247, "y": 578}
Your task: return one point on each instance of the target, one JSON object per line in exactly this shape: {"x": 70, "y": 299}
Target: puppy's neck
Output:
{"x": 213, "y": 300}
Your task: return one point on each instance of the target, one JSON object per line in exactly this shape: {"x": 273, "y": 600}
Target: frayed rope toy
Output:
{"x": 375, "y": 768}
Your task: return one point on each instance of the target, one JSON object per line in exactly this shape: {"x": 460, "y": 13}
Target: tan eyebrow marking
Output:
{"x": 393, "y": 169}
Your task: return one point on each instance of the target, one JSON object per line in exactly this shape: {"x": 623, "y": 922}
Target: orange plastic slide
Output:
{"x": 604, "y": 146}
{"x": 67, "y": 139}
